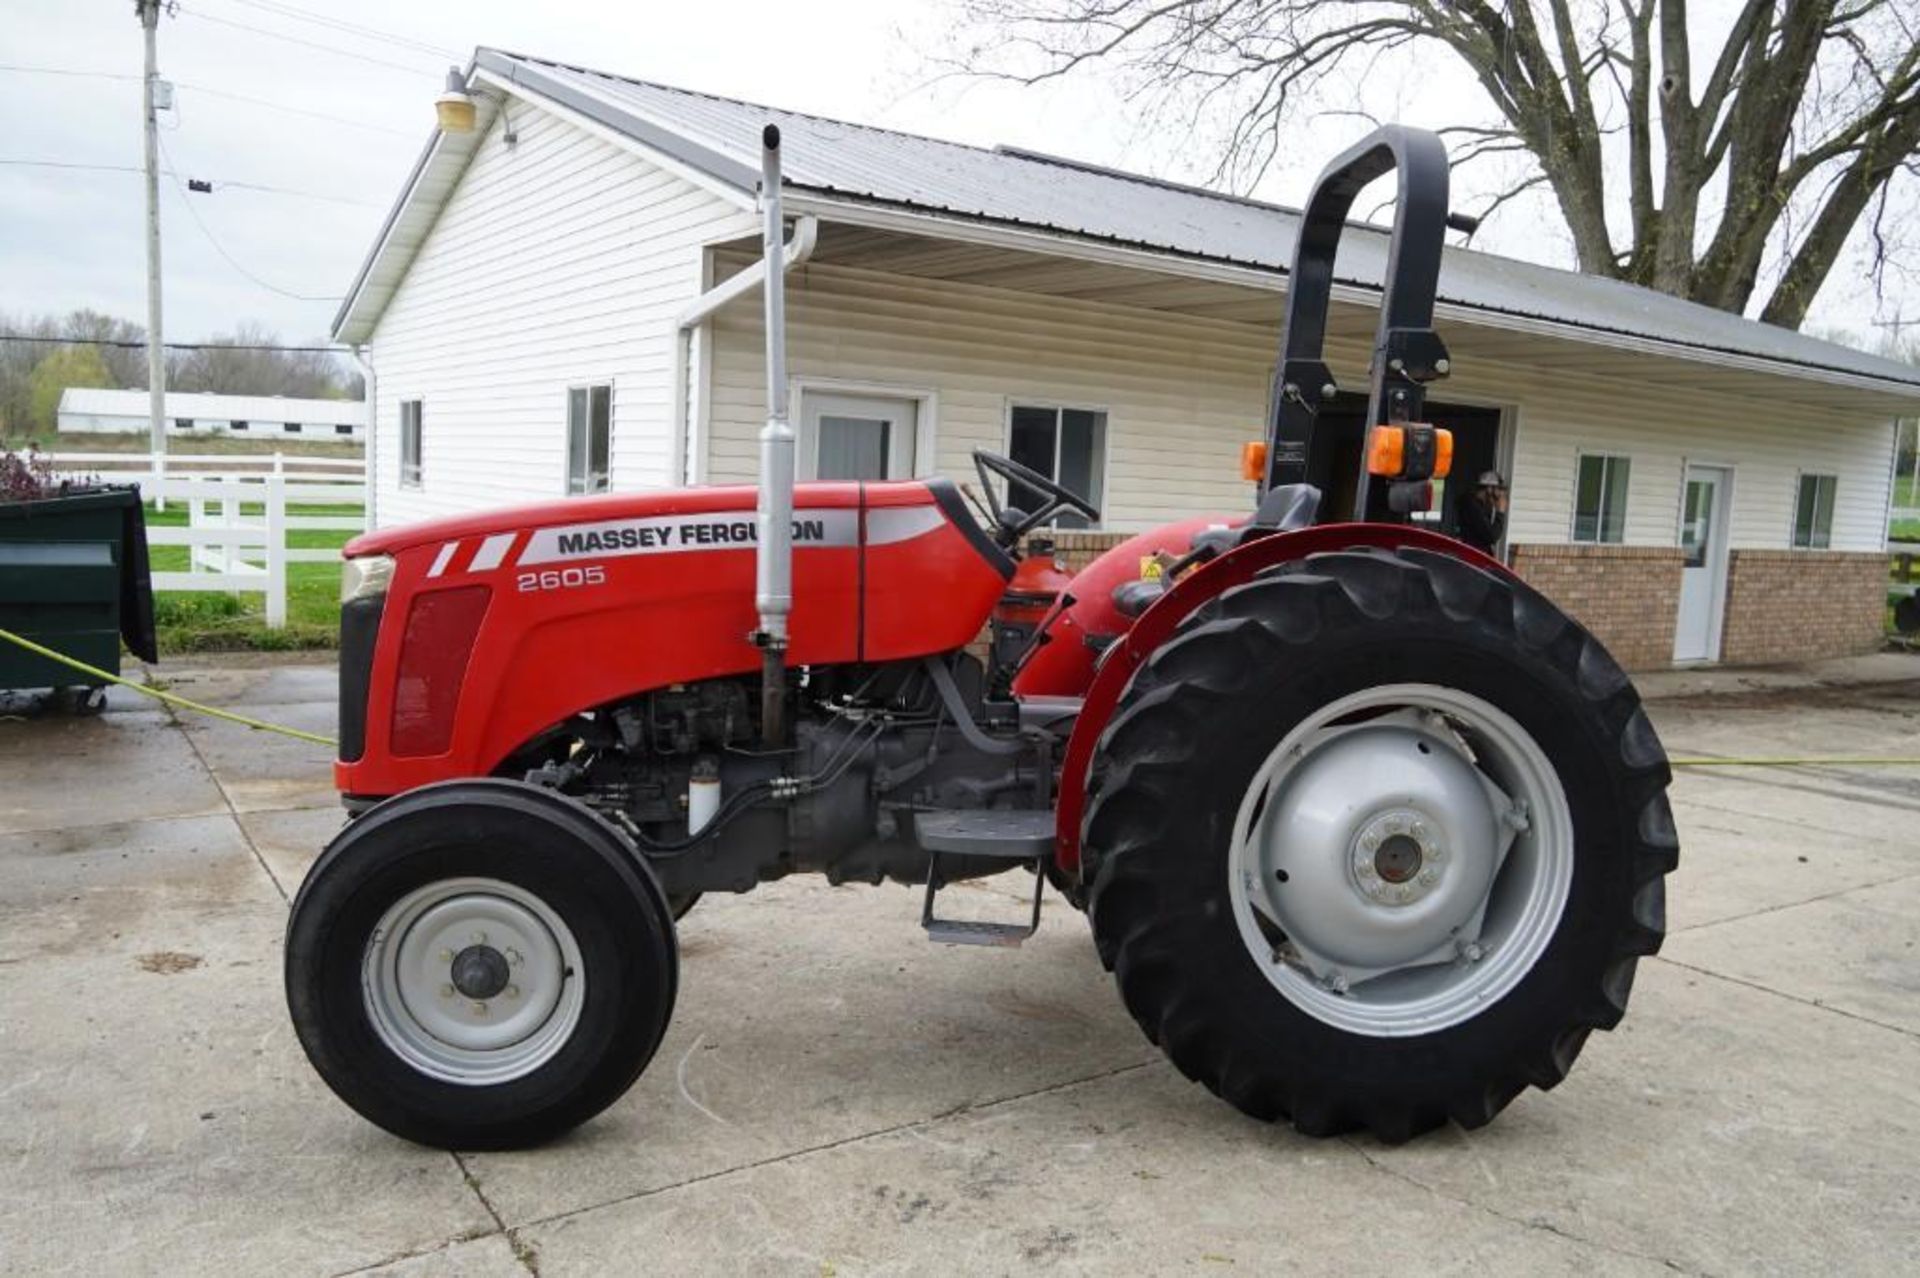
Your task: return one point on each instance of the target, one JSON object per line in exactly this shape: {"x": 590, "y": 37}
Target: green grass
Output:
{"x": 205, "y": 621}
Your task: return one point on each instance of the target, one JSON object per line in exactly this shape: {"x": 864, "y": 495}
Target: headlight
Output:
{"x": 365, "y": 577}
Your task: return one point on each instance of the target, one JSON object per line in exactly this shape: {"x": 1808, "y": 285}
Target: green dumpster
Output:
{"x": 73, "y": 577}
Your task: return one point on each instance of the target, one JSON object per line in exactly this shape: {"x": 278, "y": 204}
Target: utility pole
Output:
{"x": 149, "y": 11}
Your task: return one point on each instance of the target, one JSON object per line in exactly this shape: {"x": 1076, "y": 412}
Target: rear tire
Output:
{"x": 1201, "y": 744}
{"x": 557, "y": 997}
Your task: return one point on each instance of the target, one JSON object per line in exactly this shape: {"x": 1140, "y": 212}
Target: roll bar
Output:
{"x": 1407, "y": 353}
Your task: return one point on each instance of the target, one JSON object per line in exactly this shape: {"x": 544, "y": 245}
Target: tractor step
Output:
{"x": 1018, "y": 835}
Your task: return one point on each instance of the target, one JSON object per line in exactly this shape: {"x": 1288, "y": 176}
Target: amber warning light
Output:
{"x": 1253, "y": 460}
{"x": 1411, "y": 451}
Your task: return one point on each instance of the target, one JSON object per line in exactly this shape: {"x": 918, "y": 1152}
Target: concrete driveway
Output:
{"x": 837, "y": 1096}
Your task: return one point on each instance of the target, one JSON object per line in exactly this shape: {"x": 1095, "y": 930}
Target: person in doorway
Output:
{"x": 1482, "y": 513}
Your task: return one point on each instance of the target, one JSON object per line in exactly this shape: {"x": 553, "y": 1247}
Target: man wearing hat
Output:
{"x": 1482, "y": 513}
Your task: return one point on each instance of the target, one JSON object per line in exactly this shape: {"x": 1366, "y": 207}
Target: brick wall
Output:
{"x": 1628, "y": 596}
{"x": 1782, "y": 605}
{"x": 1799, "y": 605}
{"x": 1078, "y": 549}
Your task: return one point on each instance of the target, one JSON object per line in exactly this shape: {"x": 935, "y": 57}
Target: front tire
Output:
{"x": 1375, "y": 841}
{"x": 480, "y": 965}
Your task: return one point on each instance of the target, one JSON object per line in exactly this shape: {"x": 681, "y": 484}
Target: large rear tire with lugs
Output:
{"x": 1375, "y": 841}
{"x": 480, "y": 965}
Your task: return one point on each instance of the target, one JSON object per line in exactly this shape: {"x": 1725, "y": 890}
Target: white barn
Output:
{"x": 87, "y": 410}
{"x": 547, "y": 309}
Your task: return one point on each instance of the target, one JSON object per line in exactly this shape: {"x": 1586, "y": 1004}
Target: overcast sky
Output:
{"x": 244, "y": 70}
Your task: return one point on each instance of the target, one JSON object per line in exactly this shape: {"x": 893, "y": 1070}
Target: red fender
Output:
{"x": 1237, "y": 567}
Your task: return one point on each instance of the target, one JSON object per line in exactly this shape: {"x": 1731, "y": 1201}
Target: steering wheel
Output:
{"x": 1010, "y": 523}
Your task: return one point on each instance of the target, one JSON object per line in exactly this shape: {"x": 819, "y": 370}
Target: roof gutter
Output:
{"x": 690, "y": 453}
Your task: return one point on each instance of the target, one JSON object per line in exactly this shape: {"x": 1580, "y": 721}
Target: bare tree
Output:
{"x": 117, "y": 340}
{"x": 245, "y": 363}
{"x": 1761, "y": 154}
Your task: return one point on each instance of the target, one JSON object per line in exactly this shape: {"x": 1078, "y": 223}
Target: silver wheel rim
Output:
{"x": 1401, "y": 860}
{"x": 473, "y": 981}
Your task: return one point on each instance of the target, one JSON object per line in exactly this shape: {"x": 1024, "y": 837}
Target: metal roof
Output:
{"x": 719, "y": 137}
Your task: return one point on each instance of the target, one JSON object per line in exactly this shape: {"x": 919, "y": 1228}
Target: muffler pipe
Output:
{"x": 773, "y": 563}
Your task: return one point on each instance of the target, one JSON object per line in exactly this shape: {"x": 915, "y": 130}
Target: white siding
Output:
{"x": 1183, "y": 394}
{"x": 1180, "y": 395}
{"x": 1767, "y": 444}
{"x": 560, "y": 260}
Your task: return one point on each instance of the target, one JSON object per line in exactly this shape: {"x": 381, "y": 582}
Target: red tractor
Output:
{"x": 1370, "y": 834}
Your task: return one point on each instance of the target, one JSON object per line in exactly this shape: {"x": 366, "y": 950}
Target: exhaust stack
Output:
{"x": 773, "y": 565}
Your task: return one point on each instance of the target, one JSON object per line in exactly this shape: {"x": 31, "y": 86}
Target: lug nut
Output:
{"x": 446, "y": 991}
{"x": 446, "y": 956}
{"x": 479, "y": 938}
{"x": 513, "y": 957}
{"x": 1429, "y": 877}
{"x": 479, "y": 1008}
{"x": 513, "y": 991}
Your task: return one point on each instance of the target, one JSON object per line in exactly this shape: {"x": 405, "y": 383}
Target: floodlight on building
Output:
{"x": 454, "y": 108}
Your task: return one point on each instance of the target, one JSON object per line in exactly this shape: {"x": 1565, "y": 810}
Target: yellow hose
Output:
{"x": 1828, "y": 760}
{"x": 1836, "y": 761}
{"x": 168, "y": 697}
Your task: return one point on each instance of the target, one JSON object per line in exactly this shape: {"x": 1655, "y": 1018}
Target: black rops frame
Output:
{"x": 1407, "y": 353}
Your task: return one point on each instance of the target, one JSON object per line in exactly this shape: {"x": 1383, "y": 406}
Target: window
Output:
{"x": 589, "y": 428}
{"x": 1813, "y": 512}
{"x": 1600, "y": 499}
{"x": 237, "y": 423}
{"x": 342, "y": 428}
{"x": 183, "y": 423}
{"x": 857, "y": 435}
{"x": 410, "y": 443}
{"x": 1068, "y": 446}
{"x": 292, "y": 428}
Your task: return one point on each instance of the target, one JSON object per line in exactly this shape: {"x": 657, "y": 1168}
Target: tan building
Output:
{"x": 546, "y": 312}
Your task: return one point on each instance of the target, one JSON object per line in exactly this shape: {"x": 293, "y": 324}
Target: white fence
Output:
{"x": 240, "y": 511}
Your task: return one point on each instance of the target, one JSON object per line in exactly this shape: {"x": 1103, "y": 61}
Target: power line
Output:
{"x": 96, "y": 75}
{"x": 217, "y": 183}
{"x": 299, "y": 14}
{"x": 172, "y": 346}
{"x": 63, "y": 164}
{"x": 218, "y": 93}
{"x": 311, "y": 44}
{"x": 221, "y": 250}
{"x": 293, "y": 110}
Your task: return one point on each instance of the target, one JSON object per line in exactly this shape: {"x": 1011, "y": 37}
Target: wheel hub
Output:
{"x": 1398, "y": 857}
{"x": 1388, "y": 842}
{"x": 1401, "y": 858}
{"x": 480, "y": 971}
{"x": 473, "y": 980}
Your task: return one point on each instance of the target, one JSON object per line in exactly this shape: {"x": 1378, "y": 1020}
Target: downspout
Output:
{"x": 372, "y": 379}
{"x": 806, "y": 234}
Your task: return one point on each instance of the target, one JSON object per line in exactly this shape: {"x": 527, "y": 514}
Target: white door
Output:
{"x": 857, "y": 436}
{"x": 1703, "y": 581}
